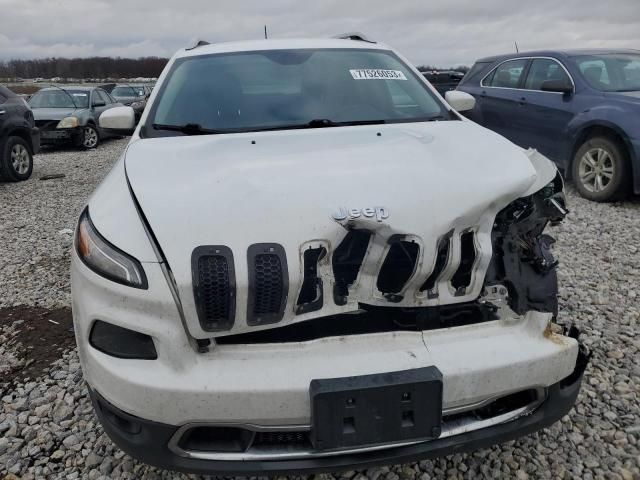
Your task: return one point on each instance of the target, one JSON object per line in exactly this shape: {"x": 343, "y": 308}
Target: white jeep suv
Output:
{"x": 307, "y": 260}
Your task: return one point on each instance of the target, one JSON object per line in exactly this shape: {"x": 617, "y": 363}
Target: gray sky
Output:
{"x": 445, "y": 33}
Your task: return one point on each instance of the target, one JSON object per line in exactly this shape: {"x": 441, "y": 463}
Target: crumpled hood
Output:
{"x": 282, "y": 187}
{"x": 55, "y": 113}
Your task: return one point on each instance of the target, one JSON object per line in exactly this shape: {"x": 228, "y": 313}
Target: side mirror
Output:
{"x": 460, "y": 101}
{"x": 559, "y": 86}
{"x": 98, "y": 104}
{"x": 118, "y": 120}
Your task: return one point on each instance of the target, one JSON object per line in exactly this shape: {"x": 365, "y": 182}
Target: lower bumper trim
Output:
{"x": 149, "y": 441}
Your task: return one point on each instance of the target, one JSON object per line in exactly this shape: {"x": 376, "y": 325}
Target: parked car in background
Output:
{"x": 443, "y": 80}
{"x": 581, "y": 108}
{"x": 19, "y": 137}
{"x": 70, "y": 115}
{"x": 269, "y": 210}
{"x": 134, "y": 96}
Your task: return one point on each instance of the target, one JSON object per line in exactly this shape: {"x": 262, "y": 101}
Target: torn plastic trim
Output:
{"x": 398, "y": 267}
{"x": 347, "y": 260}
{"x": 463, "y": 276}
{"x": 584, "y": 354}
{"x": 311, "y": 294}
{"x": 443, "y": 257}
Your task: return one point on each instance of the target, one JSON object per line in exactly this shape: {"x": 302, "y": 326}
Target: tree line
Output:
{"x": 80, "y": 68}
{"x": 429, "y": 68}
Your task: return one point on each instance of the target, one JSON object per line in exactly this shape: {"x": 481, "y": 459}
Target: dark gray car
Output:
{"x": 134, "y": 96}
{"x": 70, "y": 115}
{"x": 19, "y": 137}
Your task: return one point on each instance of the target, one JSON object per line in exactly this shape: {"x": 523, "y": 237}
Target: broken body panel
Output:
{"x": 424, "y": 199}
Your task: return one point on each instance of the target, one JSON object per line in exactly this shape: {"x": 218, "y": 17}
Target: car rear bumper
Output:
{"x": 151, "y": 441}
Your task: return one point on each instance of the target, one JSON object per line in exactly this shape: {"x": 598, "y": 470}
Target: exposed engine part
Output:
{"x": 522, "y": 259}
{"x": 496, "y": 295}
{"x": 371, "y": 319}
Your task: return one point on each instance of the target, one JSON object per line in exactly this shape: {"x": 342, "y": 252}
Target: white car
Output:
{"x": 308, "y": 260}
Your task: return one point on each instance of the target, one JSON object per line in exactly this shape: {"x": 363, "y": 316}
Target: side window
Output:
{"x": 543, "y": 69}
{"x": 104, "y": 97}
{"x": 595, "y": 72}
{"x": 507, "y": 75}
{"x": 631, "y": 71}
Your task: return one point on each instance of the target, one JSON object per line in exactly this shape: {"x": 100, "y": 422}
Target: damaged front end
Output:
{"x": 522, "y": 259}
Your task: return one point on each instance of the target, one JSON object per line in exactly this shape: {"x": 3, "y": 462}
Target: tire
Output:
{"x": 90, "y": 137}
{"x": 16, "y": 161}
{"x": 601, "y": 170}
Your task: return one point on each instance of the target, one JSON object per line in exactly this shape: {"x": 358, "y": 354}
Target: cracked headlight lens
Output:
{"x": 106, "y": 259}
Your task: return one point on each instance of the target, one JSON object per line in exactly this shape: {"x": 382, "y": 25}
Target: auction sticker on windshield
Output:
{"x": 377, "y": 74}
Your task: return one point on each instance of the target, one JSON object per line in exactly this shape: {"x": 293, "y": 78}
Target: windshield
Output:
{"x": 614, "y": 72}
{"x": 60, "y": 99}
{"x": 280, "y": 89}
{"x": 123, "y": 92}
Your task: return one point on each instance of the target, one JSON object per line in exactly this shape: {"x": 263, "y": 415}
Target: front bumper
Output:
{"x": 149, "y": 441}
{"x": 267, "y": 385}
{"x": 61, "y": 136}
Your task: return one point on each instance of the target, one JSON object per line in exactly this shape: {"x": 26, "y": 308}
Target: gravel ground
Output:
{"x": 47, "y": 426}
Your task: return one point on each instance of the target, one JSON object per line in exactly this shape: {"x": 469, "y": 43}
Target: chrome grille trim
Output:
{"x": 449, "y": 429}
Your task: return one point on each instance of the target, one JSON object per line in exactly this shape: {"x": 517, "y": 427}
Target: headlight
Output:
{"x": 106, "y": 259}
{"x": 68, "y": 122}
{"x": 137, "y": 104}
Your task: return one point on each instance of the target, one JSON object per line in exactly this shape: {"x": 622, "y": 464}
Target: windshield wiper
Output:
{"x": 188, "y": 129}
{"x": 316, "y": 123}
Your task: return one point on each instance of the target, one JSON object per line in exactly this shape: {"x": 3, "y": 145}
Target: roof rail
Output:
{"x": 199, "y": 43}
{"x": 357, "y": 36}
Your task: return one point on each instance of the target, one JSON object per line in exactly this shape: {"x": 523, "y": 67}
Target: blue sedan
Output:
{"x": 581, "y": 108}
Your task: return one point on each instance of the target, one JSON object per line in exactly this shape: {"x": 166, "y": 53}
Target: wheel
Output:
{"x": 16, "y": 162}
{"x": 90, "y": 137}
{"x": 601, "y": 170}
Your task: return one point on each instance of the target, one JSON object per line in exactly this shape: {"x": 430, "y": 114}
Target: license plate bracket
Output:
{"x": 376, "y": 409}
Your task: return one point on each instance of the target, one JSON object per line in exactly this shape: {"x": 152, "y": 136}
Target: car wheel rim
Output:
{"x": 596, "y": 170}
{"x": 20, "y": 159}
{"x": 90, "y": 137}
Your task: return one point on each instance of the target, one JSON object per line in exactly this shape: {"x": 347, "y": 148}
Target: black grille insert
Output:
{"x": 268, "y": 283}
{"x": 462, "y": 278}
{"x": 442, "y": 257}
{"x": 398, "y": 267}
{"x": 281, "y": 438}
{"x": 372, "y": 319}
{"x": 346, "y": 262}
{"x": 310, "y": 298}
{"x": 214, "y": 287}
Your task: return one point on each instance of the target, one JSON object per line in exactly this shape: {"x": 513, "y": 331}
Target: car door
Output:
{"x": 4, "y": 113}
{"x": 500, "y": 99}
{"x": 545, "y": 115}
{"x": 105, "y": 99}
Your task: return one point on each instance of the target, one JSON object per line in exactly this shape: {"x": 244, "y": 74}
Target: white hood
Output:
{"x": 282, "y": 187}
